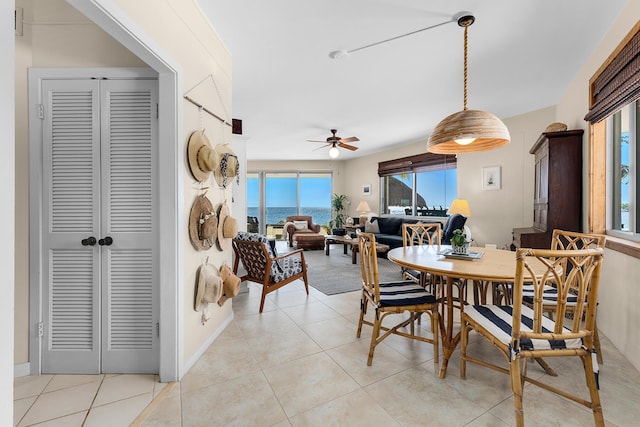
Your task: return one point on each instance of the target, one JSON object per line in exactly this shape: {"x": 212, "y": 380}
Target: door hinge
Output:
{"x": 157, "y": 111}
{"x": 41, "y": 111}
{"x": 158, "y": 330}
{"x": 40, "y": 329}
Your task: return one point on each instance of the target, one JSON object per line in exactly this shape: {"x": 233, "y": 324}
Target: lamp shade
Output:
{"x": 334, "y": 152}
{"x": 363, "y": 207}
{"x": 485, "y": 129}
{"x": 468, "y": 130}
{"x": 460, "y": 206}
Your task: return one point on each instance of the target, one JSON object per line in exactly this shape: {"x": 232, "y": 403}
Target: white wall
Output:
{"x": 618, "y": 311}
{"x": 494, "y": 213}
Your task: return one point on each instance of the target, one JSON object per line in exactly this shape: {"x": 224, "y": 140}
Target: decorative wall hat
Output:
{"x": 227, "y": 227}
{"x": 228, "y": 165}
{"x": 202, "y": 158}
{"x": 208, "y": 289}
{"x": 230, "y": 284}
{"x": 203, "y": 223}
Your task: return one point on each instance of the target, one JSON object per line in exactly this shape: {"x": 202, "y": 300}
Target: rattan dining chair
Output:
{"x": 521, "y": 332}
{"x": 566, "y": 240}
{"x": 392, "y": 298}
{"x": 420, "y": 234}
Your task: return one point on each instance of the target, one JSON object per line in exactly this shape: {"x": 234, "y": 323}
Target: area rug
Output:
{"x": 334, "y": 274}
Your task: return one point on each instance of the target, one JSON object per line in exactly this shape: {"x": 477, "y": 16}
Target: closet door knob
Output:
{"x": 106, "y": 241}
{"x": 90, "y": 241}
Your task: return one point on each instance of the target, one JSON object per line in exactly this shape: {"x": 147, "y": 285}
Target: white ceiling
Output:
{"x": 286, "y": 88}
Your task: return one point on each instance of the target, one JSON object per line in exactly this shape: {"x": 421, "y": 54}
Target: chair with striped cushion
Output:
{"x": 566, "y": 240}
{"x": 392, "y": 298}
{"x": 521, "y": 332}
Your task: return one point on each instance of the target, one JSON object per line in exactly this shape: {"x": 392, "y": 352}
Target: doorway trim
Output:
{"x": 113, "y": 21}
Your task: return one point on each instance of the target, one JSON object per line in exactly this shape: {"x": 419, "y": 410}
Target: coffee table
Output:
{"x": 332, "y": 240}
{"x": 347, "y": 242}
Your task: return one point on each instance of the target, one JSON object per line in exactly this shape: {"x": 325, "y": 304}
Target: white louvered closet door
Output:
{"x": 100, "y": 293}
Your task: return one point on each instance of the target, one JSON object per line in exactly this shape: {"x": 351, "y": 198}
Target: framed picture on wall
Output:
{"x": 366, "y": 189}
{"x": 491, "y": 179}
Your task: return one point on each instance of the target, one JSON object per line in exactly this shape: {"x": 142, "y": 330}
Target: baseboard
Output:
{"x": 21, "y": 369}
{"x": 205, "y": 345}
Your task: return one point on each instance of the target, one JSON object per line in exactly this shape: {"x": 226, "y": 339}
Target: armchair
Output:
{"x": 264, "y": 266}
{"x": 455, "y": 221}
{"x": 290, "y": 228}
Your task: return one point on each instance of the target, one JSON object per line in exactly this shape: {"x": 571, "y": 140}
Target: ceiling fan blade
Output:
{"x": 350, "y": 139}
{"x": 311, "y": 140}
{"x": 320, "y": 148}
{"x": 347, "y": 146}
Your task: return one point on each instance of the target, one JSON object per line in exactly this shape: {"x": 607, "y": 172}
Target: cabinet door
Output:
{"x": 71, "y": 206}
{"x": 541, "y": 196}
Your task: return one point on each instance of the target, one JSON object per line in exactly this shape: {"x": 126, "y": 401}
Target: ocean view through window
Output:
{"x": 422, "y": 193}
{"x": 272, "y": 196}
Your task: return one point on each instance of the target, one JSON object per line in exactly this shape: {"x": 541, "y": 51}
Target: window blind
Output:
{"x": 418, "y": 163}
{"x": 617, "y": 83}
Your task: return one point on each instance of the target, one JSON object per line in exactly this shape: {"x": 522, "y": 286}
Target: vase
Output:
{"x": 460, "y": 249}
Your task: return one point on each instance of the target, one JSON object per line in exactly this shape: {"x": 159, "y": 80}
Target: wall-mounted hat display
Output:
{"x": 228, "y": 165}
{"x": 227, "y": 227}
{"x": 230, "y": 284}
{"x": 202, "y": 158}
{"x": 203, "y": 223}
{"x": 209, "y": 288}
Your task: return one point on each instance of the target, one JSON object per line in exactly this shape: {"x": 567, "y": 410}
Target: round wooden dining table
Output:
{"x": 495, "y": 266}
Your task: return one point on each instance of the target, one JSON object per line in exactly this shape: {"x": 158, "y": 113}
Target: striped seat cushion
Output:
{"x": 396, "y": 294}
{"x": 549, "y": 295}
{"x": 498, "y": 320}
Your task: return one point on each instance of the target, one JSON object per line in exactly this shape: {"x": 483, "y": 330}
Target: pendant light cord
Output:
{"x": 466, "y": 60}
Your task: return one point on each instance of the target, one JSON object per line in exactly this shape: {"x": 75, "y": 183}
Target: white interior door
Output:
{"x": 99, "y": 250}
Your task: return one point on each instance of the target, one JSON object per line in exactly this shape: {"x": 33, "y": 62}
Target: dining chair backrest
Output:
{"x": 369, "y": 264}
{"x": 421, "y": 234}
{"x": 582, "y": 275}
{"x": 572, "y": 240}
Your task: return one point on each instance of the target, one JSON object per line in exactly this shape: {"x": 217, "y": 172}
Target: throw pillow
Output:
{"x": 371, "y": 227}
{"x": 300, "y": 225}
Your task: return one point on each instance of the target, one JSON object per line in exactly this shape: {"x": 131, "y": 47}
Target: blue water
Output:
{"x": 320, "y": 216}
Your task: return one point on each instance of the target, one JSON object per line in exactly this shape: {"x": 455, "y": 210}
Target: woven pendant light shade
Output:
{"x": 489, "y": 133}
{"x": 482, "y": 130}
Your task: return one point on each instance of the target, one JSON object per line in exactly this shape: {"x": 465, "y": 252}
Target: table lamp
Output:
{"x": 363, "y": 208}
{"x": 459, "y": 206}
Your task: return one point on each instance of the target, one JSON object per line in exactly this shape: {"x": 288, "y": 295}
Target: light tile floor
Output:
{"x": 300, "y": 364}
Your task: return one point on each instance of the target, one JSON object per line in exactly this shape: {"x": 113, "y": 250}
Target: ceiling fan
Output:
{"x": 335, "y": 142}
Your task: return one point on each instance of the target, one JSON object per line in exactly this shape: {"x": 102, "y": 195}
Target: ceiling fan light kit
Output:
{"x": 468, "y": 130}
{"x": 335, "y": 141}
{"x": 334, "y": 152}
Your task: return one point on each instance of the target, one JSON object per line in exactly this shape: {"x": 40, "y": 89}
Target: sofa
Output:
{"x": 388, "y": 229}
{"x": 292, "y": 226}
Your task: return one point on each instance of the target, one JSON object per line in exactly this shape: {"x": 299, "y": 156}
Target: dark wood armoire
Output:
{"x": 557, "y": 199}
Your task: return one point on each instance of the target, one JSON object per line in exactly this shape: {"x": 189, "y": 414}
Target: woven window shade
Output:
{"x": 618, "y": 83}
{"x": 418, "y": 163}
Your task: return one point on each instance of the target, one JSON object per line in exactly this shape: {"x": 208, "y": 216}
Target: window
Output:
{"x": 273, "y": 196}
{"x": 622, "y": 177}
{"x": 423, "y": 185}
{"x": 613, "y": 180}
